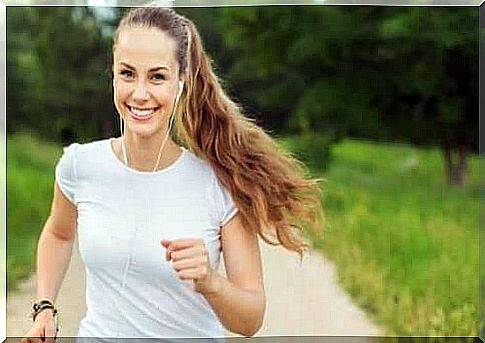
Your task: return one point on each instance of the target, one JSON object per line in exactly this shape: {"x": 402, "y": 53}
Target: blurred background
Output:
{"x": 380, "y": 102}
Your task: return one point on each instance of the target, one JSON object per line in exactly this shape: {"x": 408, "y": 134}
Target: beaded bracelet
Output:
{"x": 42, "y": 305}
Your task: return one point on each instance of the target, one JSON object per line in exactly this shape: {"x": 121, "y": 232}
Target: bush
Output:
{"x": 313, "y": 150}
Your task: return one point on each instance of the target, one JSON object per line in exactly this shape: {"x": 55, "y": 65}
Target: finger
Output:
{"x": 194, "y": 274}
{"x": 166, "y": 244}
{"x": 180, "y": 244}
{"x": 188, "y": 253}
{"x": 25, "y": 339}
{"x": 33, "y": 336}
{"x": 189, "y": 263}
{"x": 185, "y": 243}
{"x": 50, "y": 333}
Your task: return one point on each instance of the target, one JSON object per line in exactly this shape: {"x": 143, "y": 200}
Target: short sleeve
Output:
{"x": 224, "y": 206}
{"x": 65, "y": 172}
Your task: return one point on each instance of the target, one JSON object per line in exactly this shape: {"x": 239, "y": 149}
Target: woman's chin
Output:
{"x": 144, "y": 132}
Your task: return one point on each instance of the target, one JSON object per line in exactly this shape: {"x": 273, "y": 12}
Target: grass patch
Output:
{"x": 404, "y": 242}
{"x": 30, "y": 179}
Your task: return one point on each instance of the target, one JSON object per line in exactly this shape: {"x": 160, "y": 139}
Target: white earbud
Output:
{"x": 181, "y": 88}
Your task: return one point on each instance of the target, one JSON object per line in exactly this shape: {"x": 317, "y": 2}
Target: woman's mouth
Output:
{"x": 141, "y": 113}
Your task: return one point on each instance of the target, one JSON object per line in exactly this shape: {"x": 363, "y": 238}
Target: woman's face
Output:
{"x": 145, "y": 80}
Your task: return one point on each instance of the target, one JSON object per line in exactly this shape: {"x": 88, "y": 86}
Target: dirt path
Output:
{"x": 302, "y": 299}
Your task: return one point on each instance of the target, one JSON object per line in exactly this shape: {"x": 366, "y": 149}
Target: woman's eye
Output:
{"x": 158, "y": 77}
{"x": 126, "y": 73}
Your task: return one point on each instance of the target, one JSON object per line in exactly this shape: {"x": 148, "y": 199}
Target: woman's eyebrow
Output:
{"x": 126, "y": 65}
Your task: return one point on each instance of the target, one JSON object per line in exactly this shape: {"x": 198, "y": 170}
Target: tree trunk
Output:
{"x": 456, "y": 164}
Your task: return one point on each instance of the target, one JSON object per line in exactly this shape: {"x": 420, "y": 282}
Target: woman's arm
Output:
{"x": 55, "y": 246}
{"x": 239, "y": 300}
{"x": 54, "y": 251}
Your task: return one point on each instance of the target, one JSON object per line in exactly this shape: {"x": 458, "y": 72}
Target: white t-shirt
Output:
{"x": 123, "y": 214}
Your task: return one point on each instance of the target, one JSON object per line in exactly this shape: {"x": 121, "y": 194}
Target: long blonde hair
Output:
{"x": 275, "y": 197}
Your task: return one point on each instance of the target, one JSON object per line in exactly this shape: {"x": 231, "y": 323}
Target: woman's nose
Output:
{"x": 140, "y": 92}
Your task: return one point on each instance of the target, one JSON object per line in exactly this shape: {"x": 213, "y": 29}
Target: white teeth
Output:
{"x": 141, "y": 112}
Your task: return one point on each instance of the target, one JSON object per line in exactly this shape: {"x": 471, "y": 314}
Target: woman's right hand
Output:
{"x": 43, "y": 330}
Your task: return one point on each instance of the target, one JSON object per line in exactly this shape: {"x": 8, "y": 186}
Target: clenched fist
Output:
{"x": 190, "y": 260}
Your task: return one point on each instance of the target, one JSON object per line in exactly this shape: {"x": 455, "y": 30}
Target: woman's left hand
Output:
{"x": 190, "y": 260}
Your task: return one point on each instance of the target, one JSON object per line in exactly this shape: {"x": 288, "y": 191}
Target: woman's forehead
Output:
{"x": 145, "y": 47}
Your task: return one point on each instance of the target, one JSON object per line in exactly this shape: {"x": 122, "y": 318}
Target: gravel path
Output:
{"x": 302, "y": 299}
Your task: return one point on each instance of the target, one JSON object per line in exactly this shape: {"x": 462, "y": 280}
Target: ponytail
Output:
{"x": 269, "y": 187}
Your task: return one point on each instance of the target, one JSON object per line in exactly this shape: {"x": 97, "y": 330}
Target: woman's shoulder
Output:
{"x": 86, "y": 147}
{"x": 198, "y": 164}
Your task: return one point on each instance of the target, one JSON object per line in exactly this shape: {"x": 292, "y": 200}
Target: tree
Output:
{"x": 307, "y": 68}
{"x": 434, "y": 101}
{"x": 71, "y": 77}
{"x": 403, "y": 74}
{"x": 22, "y": 71}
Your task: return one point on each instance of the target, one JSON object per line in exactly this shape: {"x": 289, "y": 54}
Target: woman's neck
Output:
{"x": 142, "y": 154}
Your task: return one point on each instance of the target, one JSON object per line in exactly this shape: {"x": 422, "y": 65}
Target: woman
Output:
{"x": 154, "y": 212}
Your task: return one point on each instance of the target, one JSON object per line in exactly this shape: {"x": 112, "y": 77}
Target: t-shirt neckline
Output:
{"x": 140, "y": 172}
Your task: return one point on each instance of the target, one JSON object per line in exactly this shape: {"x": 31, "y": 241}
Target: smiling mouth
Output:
{"x": 142, "y": 113}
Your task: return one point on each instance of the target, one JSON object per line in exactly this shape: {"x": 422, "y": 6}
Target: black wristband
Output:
{"x": 42, "y": 305}
{"x": 42, "y": 302}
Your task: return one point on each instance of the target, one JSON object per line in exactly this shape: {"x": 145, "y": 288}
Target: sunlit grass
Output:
{"x": 30, "y": 177}
{"x": 405, "y": 242}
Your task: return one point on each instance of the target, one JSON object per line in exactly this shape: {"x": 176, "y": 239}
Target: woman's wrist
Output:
{"x": 44, "y": 314}
{"x": 39, "y": 299}
{"x": 211, "y": 286}
{"x": 41, "y": 306}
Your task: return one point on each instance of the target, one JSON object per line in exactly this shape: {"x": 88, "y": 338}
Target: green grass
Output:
{"x": 30, "y": 178}
{"x": 404, "y": 242}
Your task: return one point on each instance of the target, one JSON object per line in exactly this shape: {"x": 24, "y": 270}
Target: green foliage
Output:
{"x": 307, "y": 65}
{"x": 405, "y": 244}
{"x": 313, "y": 150}
{"x": 406, "y": 74}
{"x": 435, "y": 98}
{"x": 22, "y": 73}
{"x": 30, "y": 179}
{"x": 62, "y": 84}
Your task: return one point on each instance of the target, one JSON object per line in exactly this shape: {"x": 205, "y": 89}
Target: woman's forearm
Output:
{"x": 53, "y": 257}
{"x": 239, "y": 310}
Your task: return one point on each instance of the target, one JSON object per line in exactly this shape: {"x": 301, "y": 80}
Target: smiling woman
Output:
{"x": 146, "y": 78}
{"x": 153, "y": 211}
